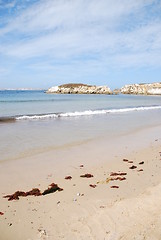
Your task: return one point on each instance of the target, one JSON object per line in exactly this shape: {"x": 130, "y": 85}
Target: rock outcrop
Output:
{"x": 145, "y": 89}
{"x": 77, "y": 88}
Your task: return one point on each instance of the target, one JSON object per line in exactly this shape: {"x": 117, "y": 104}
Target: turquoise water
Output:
{"x": 43, "y": 122}
{"x": 20, "y": 103}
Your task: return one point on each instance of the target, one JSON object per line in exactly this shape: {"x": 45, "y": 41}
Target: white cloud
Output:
{"x": 4, "y": 4}
{"x": 117, "y": 33}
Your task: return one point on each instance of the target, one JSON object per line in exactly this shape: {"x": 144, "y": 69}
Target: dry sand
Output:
{"x": 131, "y": 211}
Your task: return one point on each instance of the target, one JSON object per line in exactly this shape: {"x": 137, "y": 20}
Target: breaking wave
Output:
{"x": 84, "y": 113}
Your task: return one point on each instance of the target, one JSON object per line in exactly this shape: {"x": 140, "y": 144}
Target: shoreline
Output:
{"x": 81, "y": 211}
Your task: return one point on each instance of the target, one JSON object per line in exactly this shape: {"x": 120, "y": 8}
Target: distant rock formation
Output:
{"x": 116, "y": 91}
{"x": 145, "y": 89}
{"x": 79, "y": 88}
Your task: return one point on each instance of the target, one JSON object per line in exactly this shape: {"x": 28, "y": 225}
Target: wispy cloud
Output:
{"x": 7, "y": 4}
{"x": 84, "y": 33}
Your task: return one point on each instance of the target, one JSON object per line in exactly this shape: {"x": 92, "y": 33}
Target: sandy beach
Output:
{"x": 80, "y": 120}
{"x": 119, "y": 200}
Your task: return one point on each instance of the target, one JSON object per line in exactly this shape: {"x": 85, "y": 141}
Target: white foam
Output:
{"x": 86, "y": 113}
{"x": 26, "y": 117}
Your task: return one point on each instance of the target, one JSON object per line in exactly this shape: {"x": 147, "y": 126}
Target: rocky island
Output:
{"x": 79, "y": 88}
{"x": 143, "y": 88}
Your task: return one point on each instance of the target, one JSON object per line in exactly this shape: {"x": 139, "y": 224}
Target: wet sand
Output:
{"x": 119, "y": 200}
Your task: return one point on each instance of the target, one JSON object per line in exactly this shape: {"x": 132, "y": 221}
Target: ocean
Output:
{"x": 33, "y": 122}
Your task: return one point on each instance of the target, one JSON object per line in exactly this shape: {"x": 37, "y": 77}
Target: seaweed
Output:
{"x": 93, "y": 185}
{"x": 141, "y": 162}
{"x": 1, "y": 213}
{"x": 118, "y": 178}
{"x": 81, "y": 166}
{"x": 140, "y": 170}
{"x": 17, "y": 194}
{"x": 68, "y": 177}
{"x": 114, "y": 186}
{"x": 125, "y": 160}
{"x": 34, "y": 192}
{"x": 53, "y": 188}
{"x": 87, "y": 175}
{"x": 117, "y": 174}
{"x": 132, "y": 167}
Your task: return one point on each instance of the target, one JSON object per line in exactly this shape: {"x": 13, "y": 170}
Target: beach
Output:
{"x": 79, "y": 167}
{"x": 87, "y": 208}
{"x": 80, "y": 120}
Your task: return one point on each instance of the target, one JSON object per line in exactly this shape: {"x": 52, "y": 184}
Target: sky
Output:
{"x": 44, "y": 43}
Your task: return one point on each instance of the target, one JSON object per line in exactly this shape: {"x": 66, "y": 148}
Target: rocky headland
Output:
{"x": 78, "y": 88}
{"x": 143, "y": 88}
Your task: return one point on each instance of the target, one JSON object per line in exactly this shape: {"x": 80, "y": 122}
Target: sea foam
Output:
{"x": 86, "y": 113}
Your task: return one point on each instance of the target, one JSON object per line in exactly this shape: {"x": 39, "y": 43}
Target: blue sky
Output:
{"x": 107, "y": 42}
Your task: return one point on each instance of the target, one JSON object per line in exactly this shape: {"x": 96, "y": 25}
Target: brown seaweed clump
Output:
{"x": 126, "y": 160}
{"x": 93, "y": 185}
{"x": 141, "y": 163}
{"x": 34, "y": 192}
{"x": 53, "y": 188}
{"x": 130, "y": 161}
{"x": 114, "y": 186}
{"x": 68, "y": 177}
{"x": 81, "y": 166}
{"x": 117, "y": 174}
{"x": 118, "y": 178}
{"x": 16, "y": 195}
{"x": 132, "y": 167}
{"x": 87, "y": 175}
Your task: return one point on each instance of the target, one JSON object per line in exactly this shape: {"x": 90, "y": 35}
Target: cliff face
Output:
{"x": 79, "y": 89}
{"x": 145, "y": 89}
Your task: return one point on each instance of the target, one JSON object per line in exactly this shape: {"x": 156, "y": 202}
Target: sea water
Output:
{"x": 33, "y": 122}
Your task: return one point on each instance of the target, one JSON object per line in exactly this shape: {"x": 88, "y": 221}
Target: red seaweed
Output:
{"x": 118, "y": 174}
{"x": 140, "y": 170}
{"x": 126, "y": 160}
{"x": 34, "y": 192}
{"x": 118, "y": 178}
{"x": 87, "y": 175}
{"x": 68, "y": 177}
{"x": 141, "y": 162}
{"x": 1, "y": 213}
{"x": 81, "y": 166}
{"x": 17, "y": 194}
{"x": 114, "y": 186}
{"x": 132, "y": 167}
{"x": 53, "y": 188}
{"x": 93, "y": 185}
{"x": 130, "y": 161}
